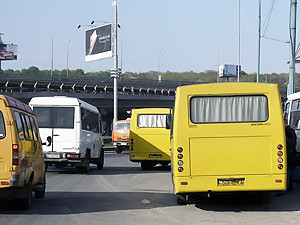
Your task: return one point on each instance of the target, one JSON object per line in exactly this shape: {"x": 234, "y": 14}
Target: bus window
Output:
{"x": 151, "y": 120}
{"x": 229, "y": 109}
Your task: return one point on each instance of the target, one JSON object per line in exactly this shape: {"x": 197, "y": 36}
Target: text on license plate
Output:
{"x": 231, "y": 182}
{"x": 53, "y": 156}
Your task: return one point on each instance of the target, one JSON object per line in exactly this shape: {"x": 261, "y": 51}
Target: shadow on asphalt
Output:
{"x": 62, "y": 203}
{"x": 246, "y": 202}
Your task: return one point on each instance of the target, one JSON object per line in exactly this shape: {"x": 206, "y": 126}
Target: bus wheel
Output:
{"x": 146, "y": 165}
{"x": 41, "y": 192}
{"x": 100, "y": 163}
{"x": 119, "y": 149}
{"x": 182, "y": 199}
{"x": 27, "y": 201}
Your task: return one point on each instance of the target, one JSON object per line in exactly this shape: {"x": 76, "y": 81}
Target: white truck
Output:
{"x": 74, "y": 128}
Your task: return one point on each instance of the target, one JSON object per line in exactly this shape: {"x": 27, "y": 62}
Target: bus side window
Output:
{"x": 19, "y": 124}
{"x": 34, "y": 129}
{"x": 29, "y": 127}
{"x": 25, "y": 127}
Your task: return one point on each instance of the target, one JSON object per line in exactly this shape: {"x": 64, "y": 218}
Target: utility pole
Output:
{"x": 293, "y": 17}
{"x": 115, "y": 71}
{"x": 259, "y": 36}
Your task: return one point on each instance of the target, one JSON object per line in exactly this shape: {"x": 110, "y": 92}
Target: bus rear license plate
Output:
{"x": 155, "y": 155}
{"x": 231, "y": 182}
{"x": 52, "y": 156}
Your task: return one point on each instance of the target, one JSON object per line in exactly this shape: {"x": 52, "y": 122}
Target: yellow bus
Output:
{"x": 149, "y": 139}
{"x": 227, "y": 137}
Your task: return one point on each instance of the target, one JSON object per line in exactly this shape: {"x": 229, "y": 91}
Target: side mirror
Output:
{"x": 168, "y": 121}
{"x": 49, "y": 141}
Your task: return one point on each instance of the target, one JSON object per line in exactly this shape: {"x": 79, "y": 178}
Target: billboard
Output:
{"x": 98, "y": 43}
{"x": 8, "y": 51}
{"x": 226, "y": 70}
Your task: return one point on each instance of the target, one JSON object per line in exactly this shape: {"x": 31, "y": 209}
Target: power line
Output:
{"x": 268, "y": 18}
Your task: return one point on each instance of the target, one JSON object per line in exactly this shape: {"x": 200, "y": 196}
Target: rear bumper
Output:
{"x": 201, "y": 184}
{"x": 149, "y": 156}
{"x": 116, "y": 144}
{"x": 62, "y": 157}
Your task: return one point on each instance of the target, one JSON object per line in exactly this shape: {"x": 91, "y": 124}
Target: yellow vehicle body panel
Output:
{"x": 228, "y": 156}
{"x": 149, "y": 143}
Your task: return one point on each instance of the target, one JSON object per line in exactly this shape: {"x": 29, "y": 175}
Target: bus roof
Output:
{"x": 294, "y": 96}
{"x": 61, "y": 101}
{"x": 15, "y": 103}
{"x": 151, "y": 110}
{"x": 228, "y": 88}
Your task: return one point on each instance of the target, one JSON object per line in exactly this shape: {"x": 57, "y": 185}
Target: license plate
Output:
{"x": 52, "y": 156}
{"x": 231, "y": 182}
{"x": 155, "y": 155}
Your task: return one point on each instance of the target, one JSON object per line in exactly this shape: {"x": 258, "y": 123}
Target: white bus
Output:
{"x": 292, "y": 114}
{"x": 75, "y": 129}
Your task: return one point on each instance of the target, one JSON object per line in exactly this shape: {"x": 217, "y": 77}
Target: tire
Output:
{"x": 181, "y": 200}
{"x": 119, "y": 149}
{"x": 27, "y": 201}
{"x": 86, "y": 165}
{"x": 100, "y": 163}
{"x": 41, "y": 193}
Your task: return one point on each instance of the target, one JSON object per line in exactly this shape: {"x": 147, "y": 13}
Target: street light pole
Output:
{"x": 293, "y": 18}
{"x": 239, "y": 45}
{"x": 115, "y": 72}
{"x": 259, "y": 36}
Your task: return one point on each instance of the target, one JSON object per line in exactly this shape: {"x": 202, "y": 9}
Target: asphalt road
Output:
{"x": 122, "y": 193}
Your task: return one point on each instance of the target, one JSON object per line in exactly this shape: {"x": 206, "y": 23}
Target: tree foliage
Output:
{"x": 190, "y": 76}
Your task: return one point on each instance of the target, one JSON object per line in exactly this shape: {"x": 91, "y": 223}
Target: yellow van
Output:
{"x": 22, "y": 167}
{"x": 149, "y": 138}
{"x": 228, "y": 137}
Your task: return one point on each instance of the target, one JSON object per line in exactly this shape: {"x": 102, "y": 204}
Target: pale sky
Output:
{"x": 195, "y": 35}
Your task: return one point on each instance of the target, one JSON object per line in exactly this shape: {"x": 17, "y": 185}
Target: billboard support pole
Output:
{"x": 115, "y": 73}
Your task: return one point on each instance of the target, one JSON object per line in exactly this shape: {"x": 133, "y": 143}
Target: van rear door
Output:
{"x": 5, "y": 142}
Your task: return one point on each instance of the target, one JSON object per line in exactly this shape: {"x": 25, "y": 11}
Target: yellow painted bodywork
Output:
{"x": 213, "y": 151}
{"x": 31, "y": 159}
{"x": 149, "y": 144}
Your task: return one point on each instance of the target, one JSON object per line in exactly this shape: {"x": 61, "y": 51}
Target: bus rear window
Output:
{"x": 151, "y": 120}
{"x": 54, "y": 117}
{"x": 229, "y": 109}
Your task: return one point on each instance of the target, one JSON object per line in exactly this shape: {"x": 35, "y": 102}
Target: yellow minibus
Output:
{"x": 22, "y": 167}
{"x": 227, "y": 137}
{"x": 149, "y": 139}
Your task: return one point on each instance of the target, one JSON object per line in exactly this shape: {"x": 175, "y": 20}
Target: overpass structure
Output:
{"x": 96, "y": 91}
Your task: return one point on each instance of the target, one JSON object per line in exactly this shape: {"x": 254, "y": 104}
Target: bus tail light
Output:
{"x": 180, "y": 169}
{"x": 180, "y": 162}
{"x": 280, "y": 153}
{"x": 179, "y": 149}
{"x": 15, "y": 155}
{"x": 278, "y": 181}
{"x": 131, "y": 144}
{"x": 280, "y": 166}
{"x": 279, "y": 147}
{"x": 184, "y": 183}
{"x": 180, "y": 156}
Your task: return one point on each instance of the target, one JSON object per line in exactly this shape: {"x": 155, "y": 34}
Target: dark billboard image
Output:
{"x": 98, "y": 43}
